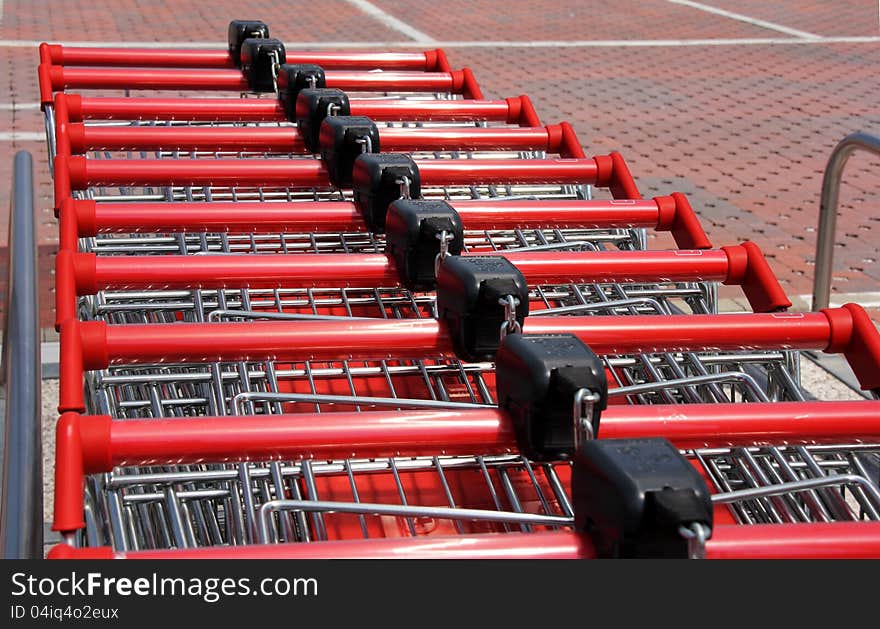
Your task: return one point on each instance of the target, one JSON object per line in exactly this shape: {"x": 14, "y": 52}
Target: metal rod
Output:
{"x": 825, "y": 236}
{"x": 365, "y": 508}
{"x": 21, "y": 520}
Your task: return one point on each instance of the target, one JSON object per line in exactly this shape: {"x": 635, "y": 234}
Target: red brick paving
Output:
{"x": 564, "y": 20}
{"x": 744, "y": 130}
{"x": 199, "y": 20}
{"x": 819, "y": 18}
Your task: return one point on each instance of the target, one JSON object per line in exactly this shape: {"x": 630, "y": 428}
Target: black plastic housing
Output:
{"x": 296, "y": 77}
{"x": 310, "y": 108}
{"x": 468, "y": 293}
{"x": 342, "y": 140}
{"x": 412, "y": 230}
{"x": 374, "y": 180}
{"x": 257, "y": 60}
{"x": 633, "y": 495}
{"x": 240, "y": 30}
{"x": 537, "y": 377}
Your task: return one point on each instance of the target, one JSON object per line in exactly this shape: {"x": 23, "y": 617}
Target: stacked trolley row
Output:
{"x": 367, "y": 312}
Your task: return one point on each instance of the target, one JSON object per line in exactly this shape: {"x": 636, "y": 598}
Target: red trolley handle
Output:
{"x": 289, "y": 139}
{"x": 60, "y": 78}
{"x": 80, "y": 173}
{"x": 55, "y": 54}
{"x": 515, "y": 110}
{"x": 87, "y": 273}
{"x": 91, "y": 444}
{"x": 96, "y": 345}
{"x": 87, "y": 218}
{"x": 823, "y": 540}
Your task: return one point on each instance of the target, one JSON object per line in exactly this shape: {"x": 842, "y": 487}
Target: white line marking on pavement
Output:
{"x": 868, "y": 299}
{"x": 18, "y": 106}
{"x": 745, "y": 18}
{"x": 21, "y": 136}
{"x": 390, "y": 21}
{"x": 546, "y": 43}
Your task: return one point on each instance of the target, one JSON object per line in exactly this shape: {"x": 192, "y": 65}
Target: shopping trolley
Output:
{"x": 234, "y": 401}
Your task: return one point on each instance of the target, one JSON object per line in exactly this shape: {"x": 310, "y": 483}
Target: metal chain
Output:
{"x": 510, "y": 324}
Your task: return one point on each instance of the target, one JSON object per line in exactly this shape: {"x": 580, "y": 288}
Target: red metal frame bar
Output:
{"x": 515, "y": 110}
{"x": 60, "y": 78}
{"x": 289, "y": 139}
{"x": 96, "y": 345}
{"x": 79, "y": 173}
{"x": 56, "y": 54}
{"x": 88, "y": 218}
{"x": 825, "y": 540}
{"x": 87, "y": 273}
{"x": 91, "y": 444}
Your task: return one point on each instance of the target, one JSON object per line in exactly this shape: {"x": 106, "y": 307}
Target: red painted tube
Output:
{"x": 486, "y": 546}
{"x": 184, "y": 138}
{"x": 500, "y": 214}
{"x": 440, "y": 110}
{"x": 505, "y": 171}
{"x": 94, "y": 273}
{"x": 95, "y": 345}
{"x": 353, "y": 60}
{"x": 728, "y": 332}
{"x": 553, "y": 267}
{"x": 212, "y": 342}
{"x": 288, "y": 139}
{"x": 143, "y": 57}
{"x": 221, "y": 172}
{"x": 311, "y": 173}
{"x": 691, "y": 426}
{"x": 238, "y": 217}
{"x": 661, "y": 213}
{"x": 89, "y": 444}
{"x": 190, "y": 109}
{"x": 78, "y": 78}
{"x": 86, "y": 273}
{"x": 219, "y": 58}
{"x": 467, "y": 139}
{"x": 63, "y": 78}
{"x": 373, "y": 434}
{"x": 821, "y": 540}
{"x": 295, "y": 436}
{"x": 825, "y": 540}
{"x": 271, "y": 110}
{"x": 300, "y": 340}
